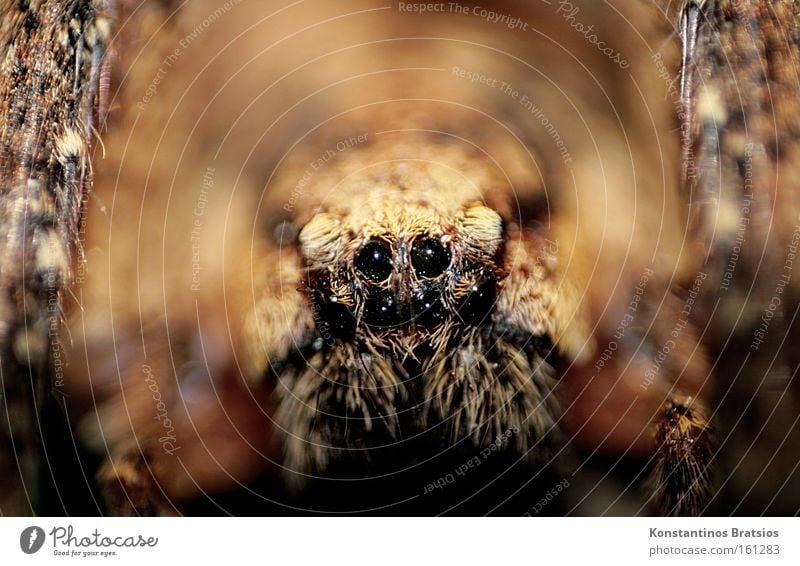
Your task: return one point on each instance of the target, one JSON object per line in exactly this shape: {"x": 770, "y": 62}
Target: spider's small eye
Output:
{"x": 336, "y": 319}
{"x": 374, "y": 261}
{"x": 477, "y": 305}
{"x": 381, "y": 309}
{"x": 429, "y": 257}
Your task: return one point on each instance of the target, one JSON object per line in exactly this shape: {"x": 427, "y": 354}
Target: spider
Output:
{"x": 357, "y": 257}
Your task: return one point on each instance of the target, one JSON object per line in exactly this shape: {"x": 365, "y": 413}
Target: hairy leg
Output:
{"x": 51, "y": 88}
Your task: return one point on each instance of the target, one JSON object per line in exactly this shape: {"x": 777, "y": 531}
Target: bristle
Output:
{"x": 486, "y": 388}
{"x": 337, "y": 402}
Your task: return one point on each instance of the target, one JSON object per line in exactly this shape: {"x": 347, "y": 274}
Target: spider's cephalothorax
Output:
{"x": 409, "y": 331}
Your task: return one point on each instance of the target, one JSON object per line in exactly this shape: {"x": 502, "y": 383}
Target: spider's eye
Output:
{"x": 427, "y": 306}
{"x": 429, "y": 257}
{"x": 381, "y": 309}
{"x": 374, "y": 261}
{"x": 336, "y": 319}
{"x": 476, "y": 306}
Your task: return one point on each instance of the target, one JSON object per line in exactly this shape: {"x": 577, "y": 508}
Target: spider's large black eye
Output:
{"x": 478, "y": 304}
{"x": 428, "y": 307}
{"x": 381, "y": 309}
{"x": 429, "y": 257}
{"x": 374, "y": 261}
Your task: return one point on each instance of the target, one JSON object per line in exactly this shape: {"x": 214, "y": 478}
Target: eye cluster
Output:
{"x": 420, "y": 301}
{"x": 398, "y": 284}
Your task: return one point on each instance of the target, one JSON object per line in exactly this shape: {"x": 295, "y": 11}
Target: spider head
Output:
{"x": 402, "y": 268}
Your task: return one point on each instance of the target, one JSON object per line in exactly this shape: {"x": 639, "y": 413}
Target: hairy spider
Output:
{"x": 351, "y": 257}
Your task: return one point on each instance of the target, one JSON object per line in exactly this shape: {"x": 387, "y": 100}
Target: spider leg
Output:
{"x": 130, "y": 486}
{"x": 681, "y": 478}
{"x": 44, "y": 177}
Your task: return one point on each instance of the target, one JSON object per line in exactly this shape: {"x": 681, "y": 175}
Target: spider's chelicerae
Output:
{"x": 368, "y": 257}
